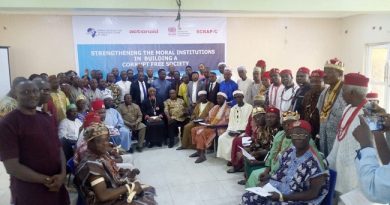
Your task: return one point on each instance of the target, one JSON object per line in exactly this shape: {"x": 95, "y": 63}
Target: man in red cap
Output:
{"x": 309, "y": 103}
{"x": 265, "y": 84}
{"x": 255, "y": 86}
{"x": 302, "y": 79}
{"x": 276, "y": 88}
{"x": 262, "y": 65}
{"x": 288, "y": 92}
{"x": 343, "y": 153}
{"x": 331, "y": 104}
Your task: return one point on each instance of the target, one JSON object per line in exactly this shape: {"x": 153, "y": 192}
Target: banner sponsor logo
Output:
{"x": 143, "y": 31}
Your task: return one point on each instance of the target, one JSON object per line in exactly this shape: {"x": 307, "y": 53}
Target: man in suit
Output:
{"x": 194, "y": 87}
{"x": 140, "y": 69}
{"x": 139, "y": 89}
{"x": 212, "y": 88}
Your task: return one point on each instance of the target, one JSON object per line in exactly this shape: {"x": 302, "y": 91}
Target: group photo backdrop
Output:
{"x": 104, "y": 42}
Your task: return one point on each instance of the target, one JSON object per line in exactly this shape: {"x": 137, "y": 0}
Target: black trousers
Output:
{"x": 173, "y": 129}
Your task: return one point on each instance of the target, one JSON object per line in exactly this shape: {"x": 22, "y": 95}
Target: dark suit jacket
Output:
{"x": 135, "y": 92}
{"x": 212, "y": 96}
{"x": 199, "y": 87}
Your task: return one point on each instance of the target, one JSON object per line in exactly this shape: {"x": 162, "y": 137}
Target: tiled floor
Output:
{"x": 177, "y": 179}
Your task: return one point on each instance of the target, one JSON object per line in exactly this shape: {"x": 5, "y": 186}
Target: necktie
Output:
{"x": 143, "y": 89}
{"x": 211, "y": 87}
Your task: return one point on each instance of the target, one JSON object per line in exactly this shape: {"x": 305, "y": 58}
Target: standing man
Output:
{"x": 331, "y": 104}
{"x": 91, "y": 94}
{"x": 302, "y": 79}
{"x": 150, "y": 77}
{"x": 275, "y": 90}
{"x": 221, "y": 68}
{"x": 115, "y": 89}
{"x": 22, "y": 148}
{"x": 183, "y": 89}
{"x": 115, "y": 72}
{"x": 244, "y": 83}
{"x": 139, "y": 90}
{"x": 262, "y": 65}
{"x": 238, "y": 120}
{"x": 201, "y": 68}
{"x": 343, "y": 153}
{"x": 132, "y": 117}
{"x": 171, "y": 73}
{"x": 140, "y": 70}
{"x": 265, "y": 84}
{"x": 228, "y": 86}
{"x": 212, "y": 88}
{"x": 254, "y": 88}
{"x": 189, "y": 71}
{"x": 194, "y": 87}
{"x": 124, "y": 85}
{"x": 59, "y": 98}
{"x": 162, "y": 86}
{"x": 288, "y": 91}
{"x": 75, "y": 88}
{"x": 8, "y": 102}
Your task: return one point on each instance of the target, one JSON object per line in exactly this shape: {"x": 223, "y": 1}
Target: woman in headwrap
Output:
{"x": 100, "y": 181}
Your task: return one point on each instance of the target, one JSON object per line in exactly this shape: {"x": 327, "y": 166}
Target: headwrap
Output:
{"x": 289, "y": 115}
{"x": 304, "y": 70}
{"x": 256, "y": 69}
{"x": 227, "y": 69}
{"x": 334, "y": 63}
{"x": 301, "y": 124}
{"x": 257, "y": 110}
{"x": 317, "y": 73}
{"x": 71, "y": 106}
{"x": 90, "y": 118}
{"x": 97, "y": 105}
{"x": 274, "y": 70}
{"x": 372, "y": 96}
{"x": 237, "y": 92}
{"x": 107, "y": 95}
{"x": 241, "y": 68}
{"x": 221, "y": 63}
{"x": 259, "y": 97}
{"x": 261, "y": 64}
{"x": 266, "y": 75}
{"x": 286, "y": 72}
{"x": 81, "y": 97}
{"x": 222, "y": 94}
{"x": 273, "y": 110}
{"x": 95, "y": 130}
{"x": 356, "y": 79}
{"x": 202, "y": 92}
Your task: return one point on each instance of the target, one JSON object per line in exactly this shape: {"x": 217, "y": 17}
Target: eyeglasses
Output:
{"x": 298, "y": 136}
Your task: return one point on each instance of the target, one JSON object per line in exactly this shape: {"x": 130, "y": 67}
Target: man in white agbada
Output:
{"x": 288, "y": 92}
{"x": 342, "y": 156}
{"x": 275, "y": 89}
{"x": 244, "y": 83}
{"x": 124, "y": 85}
{"x": 238, "y": 118}
{"x": 221, "y": 68}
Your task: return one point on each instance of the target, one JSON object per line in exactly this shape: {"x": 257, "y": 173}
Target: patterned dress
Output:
{"x": 116, "y": 93}
{"x": 293, "y": 176}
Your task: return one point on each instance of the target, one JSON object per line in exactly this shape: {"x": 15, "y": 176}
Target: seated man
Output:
{"x": 68, "y": 131}
{"x": 101, "y": 181}
{"x": 201, "y": 111}
{"x": 300, "y": 178}
{"x": 114, "y": 121}
{"x": 175, "y": 111}
{"x": 238, "y": 119}
{"x": 132, "y": 116}
{"x": 203, "y": 136}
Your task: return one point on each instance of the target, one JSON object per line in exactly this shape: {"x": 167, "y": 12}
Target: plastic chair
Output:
{"x": 332, "y": 183}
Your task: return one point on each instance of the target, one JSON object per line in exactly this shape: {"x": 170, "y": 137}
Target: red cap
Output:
{"x": 273, "y": 110}
{"x": 97, "y": 105}
{"x": 372, "y": 96}
{"x": 286, "y": 72}
{"x": 356, "y": 79}
{"x": 274, "y": 70}
{"x": 304, "y": 70}
{"x": 90, "y": 118}
{"x": 317, "y": 73}
{"x": 260, "y": 63}
{"x": 266, "y": 75}
{"x": 302, "y": 124}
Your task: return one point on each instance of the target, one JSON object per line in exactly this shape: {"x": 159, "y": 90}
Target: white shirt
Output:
{"x": 286, "y": 98}
{"x": 194, "y": 93}
{"x": 141, "y": 86}
{"x": 101, "y": 94}
{"x": 244, "y": 86}
{"x": 125, "y": 88}
{"x": 211, "y": 86}
{"x": 69, "y": 129}
{"x": 238, "y": 117}
{"x": 202, "y": 106}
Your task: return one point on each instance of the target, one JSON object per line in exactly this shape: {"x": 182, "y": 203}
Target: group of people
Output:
{"x": 293, "y": 131}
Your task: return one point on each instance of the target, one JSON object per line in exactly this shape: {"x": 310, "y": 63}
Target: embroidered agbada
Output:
{"x": 275, "y": 95}
{"x": 245, "y": 87}
{"x": 328, "y": 126}
{"x": 228, "y": 87}
{"x": 293, "y": 176}
{"x": 60, "y": 102}
{"x": 238, "y": 119}
{"x": 287, "y": 97}
{"x": 203, "y": 136}
{"x": 309, "y": 110}
{"x": 116, "y": 93}
{"x": 125, "y": 88}
{"x": 175, "y": 108}
{"x": 186, "y": 141}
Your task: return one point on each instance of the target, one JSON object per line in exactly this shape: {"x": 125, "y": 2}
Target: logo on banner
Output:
{"x": 143, "y": 31}
{"x": 206, "y": 31}
{"x": 91, "y": 32}
{"x": 171, "y": 31}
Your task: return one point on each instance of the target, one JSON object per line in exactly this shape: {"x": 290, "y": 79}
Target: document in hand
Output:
{"x": 246, "y": 154}
{"x": 246, "y": 141}
{"x": 263, "y": 191}
{"x": 356, "y": 197}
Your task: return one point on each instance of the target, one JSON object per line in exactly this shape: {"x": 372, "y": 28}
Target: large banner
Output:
{"x": 124, "y": 42}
